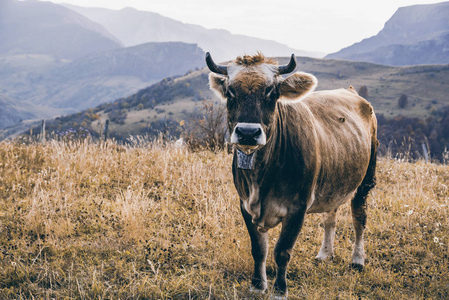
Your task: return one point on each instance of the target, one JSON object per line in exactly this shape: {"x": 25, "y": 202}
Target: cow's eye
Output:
{"x": 230, "y": 93}
{"x": 271, "y": 93}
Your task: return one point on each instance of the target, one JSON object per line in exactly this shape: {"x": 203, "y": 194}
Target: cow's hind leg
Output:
{"x": 358, "y": 207}
{"x": 327, "y": 247}
{"x": 259, "y": 250}
{"x": 359, "y": 221}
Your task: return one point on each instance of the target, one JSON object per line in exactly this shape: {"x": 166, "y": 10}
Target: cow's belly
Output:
{"x": 339, "y": 178}
{"x": 332, "y": 191}
{"x": 328, "y": 203}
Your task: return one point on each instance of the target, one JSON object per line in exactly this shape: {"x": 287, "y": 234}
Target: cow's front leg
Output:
{"x": 291, "y": 226}
{"x": 259, "y": 250}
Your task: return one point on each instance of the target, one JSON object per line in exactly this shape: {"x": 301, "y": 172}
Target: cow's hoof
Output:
{"x": 357, "y": 267}
{"x": 324, "y": 257}
{"x": 320, "y": 260}
{"x": 278, "y": 297}
{"x": 325, "y": 253}
{"x": 277, "y": 294}
{"x": 255, "y": 290}
{"x": 358, "y": 257}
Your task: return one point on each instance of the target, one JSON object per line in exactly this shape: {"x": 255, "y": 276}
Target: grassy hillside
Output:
{"x": 171, "y": 101}
{"x": 425, "y": 86}
{"x": 83, "y": 220}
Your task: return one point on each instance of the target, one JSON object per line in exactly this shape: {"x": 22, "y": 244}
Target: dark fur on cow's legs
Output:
{"x": 259, "y": 249}
{"x": 358, "y": 207}
{"x": 284, "y": 247}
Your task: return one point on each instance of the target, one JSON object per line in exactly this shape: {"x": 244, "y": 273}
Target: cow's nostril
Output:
{"x": 248, "y": 132}
{"x": 238, "y": 132}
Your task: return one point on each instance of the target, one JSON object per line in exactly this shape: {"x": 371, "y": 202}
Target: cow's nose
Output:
{"x": 248, "y": 132}
{"x": 248, "y": 135}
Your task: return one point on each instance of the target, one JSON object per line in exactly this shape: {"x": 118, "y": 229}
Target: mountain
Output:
{"x": 54, "y": 61}
{"x": 105, "y": 76}
{"x": 417, "y": 34}
{"x": 96, "y": 78}
{"x": 134, "y": 27}
{"x": 34, "y": 27}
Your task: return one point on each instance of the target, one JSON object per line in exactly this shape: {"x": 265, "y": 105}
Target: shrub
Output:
{"x": 403, "y": 101}
{"x": 207, "y": 127}
{"x": 363, "y": 91}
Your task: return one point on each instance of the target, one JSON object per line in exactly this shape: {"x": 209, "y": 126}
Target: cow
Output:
{"x": 296, "y": 152}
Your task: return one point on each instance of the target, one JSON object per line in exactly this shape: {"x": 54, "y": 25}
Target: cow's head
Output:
{"x": 251, "y": 86}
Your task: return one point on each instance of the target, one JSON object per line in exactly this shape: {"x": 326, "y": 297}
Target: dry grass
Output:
{"x": 90, "y": 221}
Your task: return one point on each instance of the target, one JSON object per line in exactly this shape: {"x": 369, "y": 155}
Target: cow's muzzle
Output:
{"x": 248, "y": 137}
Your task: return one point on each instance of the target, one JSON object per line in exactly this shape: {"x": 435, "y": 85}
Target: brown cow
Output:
{"x": 297, "y": 152}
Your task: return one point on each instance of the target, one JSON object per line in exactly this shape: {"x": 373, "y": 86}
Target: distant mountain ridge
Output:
{"x": 134, "y": 27}
{"x": 417, "y": 34}
{"x": 33, "y": 27}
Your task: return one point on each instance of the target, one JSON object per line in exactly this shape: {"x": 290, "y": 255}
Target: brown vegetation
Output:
{"x": 85, "y": 220}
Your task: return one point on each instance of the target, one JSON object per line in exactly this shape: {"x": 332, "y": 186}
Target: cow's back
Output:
{"x": 345, "y": 127}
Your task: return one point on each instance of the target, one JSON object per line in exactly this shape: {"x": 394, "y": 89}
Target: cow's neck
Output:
{"x": 284, "y": 150}
{"x": 267, "y": 157}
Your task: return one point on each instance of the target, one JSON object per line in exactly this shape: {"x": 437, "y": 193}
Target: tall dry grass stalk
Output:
{"x": 84, "y": 220}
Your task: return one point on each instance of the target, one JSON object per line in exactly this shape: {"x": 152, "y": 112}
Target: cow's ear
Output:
{"x": 218, "y": 84}
{"x": 297, "y": 85}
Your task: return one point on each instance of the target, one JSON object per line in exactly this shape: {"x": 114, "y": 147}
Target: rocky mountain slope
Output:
{"x": 417, "y": 34}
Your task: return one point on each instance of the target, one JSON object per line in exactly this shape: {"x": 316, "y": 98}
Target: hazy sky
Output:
{"x": 316, "y": 25}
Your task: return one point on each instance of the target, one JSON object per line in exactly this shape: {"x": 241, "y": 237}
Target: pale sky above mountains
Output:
{"x": 318, "y": 25}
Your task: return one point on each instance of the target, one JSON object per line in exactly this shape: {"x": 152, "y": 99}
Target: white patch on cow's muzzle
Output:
{"x": 248, "y": 137}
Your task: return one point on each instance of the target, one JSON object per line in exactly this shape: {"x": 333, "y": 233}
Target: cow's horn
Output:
{"x": 219, "y": 69}
{"x": 284, "y": 69}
